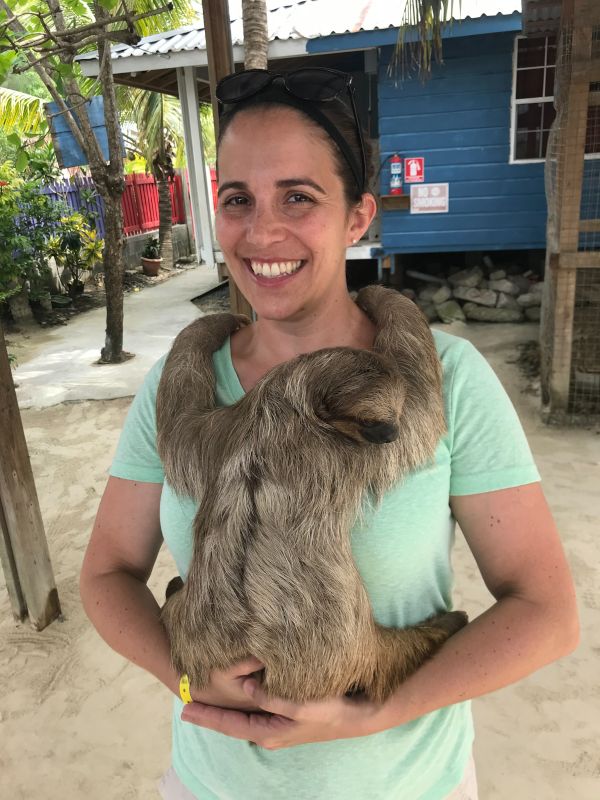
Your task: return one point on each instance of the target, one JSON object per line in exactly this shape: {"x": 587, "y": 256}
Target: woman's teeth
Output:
{"x": 276, "y": 269}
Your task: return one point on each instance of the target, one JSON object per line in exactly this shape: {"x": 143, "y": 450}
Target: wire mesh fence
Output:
{"x": 570, "y": 324}
{"x": 584, "y": 394}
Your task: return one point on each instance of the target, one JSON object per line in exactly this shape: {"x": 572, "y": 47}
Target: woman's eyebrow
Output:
{"x": 231, "y": 185}
{"x": 289, "y": 182}
{"x": 282, "y": 184}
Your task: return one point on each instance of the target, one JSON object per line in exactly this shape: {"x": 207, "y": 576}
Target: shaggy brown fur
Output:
{"x": 281, "y": 476}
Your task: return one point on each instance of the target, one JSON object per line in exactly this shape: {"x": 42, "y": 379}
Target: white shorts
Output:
{"x": 171, "y": 788}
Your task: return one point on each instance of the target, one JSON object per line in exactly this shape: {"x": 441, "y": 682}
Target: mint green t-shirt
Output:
{"x": 402, "y": 552}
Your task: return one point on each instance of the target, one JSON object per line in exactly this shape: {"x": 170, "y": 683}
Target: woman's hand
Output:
{"x": 226, "y": 687}
{"x": 280, "y": 723}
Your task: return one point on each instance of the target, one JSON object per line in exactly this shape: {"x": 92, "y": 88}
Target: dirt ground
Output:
{"x": 77, "y": 721}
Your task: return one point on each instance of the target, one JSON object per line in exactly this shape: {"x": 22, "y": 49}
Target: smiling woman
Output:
{"x": 292, "y": 197}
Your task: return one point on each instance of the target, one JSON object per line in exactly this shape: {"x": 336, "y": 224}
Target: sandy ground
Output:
{"x": 77, "y": 721}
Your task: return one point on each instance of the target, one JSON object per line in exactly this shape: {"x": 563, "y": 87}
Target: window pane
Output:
{"x": 528, "y": 144}
{"x": 545, "y": 135}
{"x": 548, "y": 114}
{"x": 592, "y": 135}
{"x": 549, "y": 92}
{"x": 529, "y": 116}
{"x": 531, "y": 52}
{"x": 551, "y": 54}
{"x": 530, "y": 83}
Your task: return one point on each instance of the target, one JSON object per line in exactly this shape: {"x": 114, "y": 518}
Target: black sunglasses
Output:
{"x": 315, "y": 84}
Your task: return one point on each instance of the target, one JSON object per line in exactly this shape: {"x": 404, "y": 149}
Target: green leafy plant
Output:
{"x": 151, "y": 248}
{"x": 76, "y": 247}
{"x": 28, "y": 219}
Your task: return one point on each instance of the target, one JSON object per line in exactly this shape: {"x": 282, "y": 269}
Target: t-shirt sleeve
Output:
{"x": 489, "y": 450}
{"x": 136, "y": 458}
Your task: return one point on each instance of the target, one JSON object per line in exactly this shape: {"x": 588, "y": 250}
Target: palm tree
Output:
{"x": 158, "y": 137}
{"x": 256, "y": 36}
{"x": 156, "y": 119}
{"x": 20, "y": 112}
{"x": 429, "y": 18}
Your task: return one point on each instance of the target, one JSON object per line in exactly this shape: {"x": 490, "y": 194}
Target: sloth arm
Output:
{"x": 514, "y": 541}
{"x": 118, "y": 562}
{"x": 532, "y": 622}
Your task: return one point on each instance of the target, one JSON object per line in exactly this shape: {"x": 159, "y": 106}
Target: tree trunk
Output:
{"x": 165, "y": 222}
{"x": 256, "y": 37}
{"x": 112, "y": 352}
{"x": 111, "y": 185}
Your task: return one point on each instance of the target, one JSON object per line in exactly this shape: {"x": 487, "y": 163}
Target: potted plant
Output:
{"x": 151, "y": 260}
{"x": 76, "y": 248}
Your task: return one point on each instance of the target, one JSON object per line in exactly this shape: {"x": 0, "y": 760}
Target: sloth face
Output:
{"x": 362, "y": 397}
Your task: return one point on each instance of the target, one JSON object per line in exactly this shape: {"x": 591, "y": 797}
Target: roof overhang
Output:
{"x": 317, "y": 29}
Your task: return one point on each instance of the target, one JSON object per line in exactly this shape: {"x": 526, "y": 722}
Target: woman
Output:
{"x": 292, "y": 197}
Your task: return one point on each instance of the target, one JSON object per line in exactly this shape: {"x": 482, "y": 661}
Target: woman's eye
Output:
{"x": 299, "y": 198}
{"x": 235, "y": 200}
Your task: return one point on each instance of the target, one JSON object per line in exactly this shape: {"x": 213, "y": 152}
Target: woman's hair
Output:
{"x": 339, "y": 115}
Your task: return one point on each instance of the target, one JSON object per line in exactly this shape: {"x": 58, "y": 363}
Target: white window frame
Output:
{"x": 513, "y": 109}
{"x": 514, "y": 103}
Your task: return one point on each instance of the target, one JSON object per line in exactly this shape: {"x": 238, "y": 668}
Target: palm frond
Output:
{"x": 20, "y": 112}
{"x": 184, "y": 12}
{"x": 424, "y": 20}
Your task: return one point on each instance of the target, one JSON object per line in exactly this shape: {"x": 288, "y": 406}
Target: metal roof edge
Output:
{"x": 359, "y": 40}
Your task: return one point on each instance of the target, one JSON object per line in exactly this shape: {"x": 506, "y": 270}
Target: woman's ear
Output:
{"x": 361, "y": 217}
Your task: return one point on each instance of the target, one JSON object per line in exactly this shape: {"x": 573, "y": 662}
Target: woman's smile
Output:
{"x": 276, "y": 268}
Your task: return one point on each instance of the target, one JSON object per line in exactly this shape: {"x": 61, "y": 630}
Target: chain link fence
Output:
{"x": 570, "y": 324}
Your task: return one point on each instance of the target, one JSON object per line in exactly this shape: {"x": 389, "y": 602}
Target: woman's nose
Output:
{"x": 264, "y": 227}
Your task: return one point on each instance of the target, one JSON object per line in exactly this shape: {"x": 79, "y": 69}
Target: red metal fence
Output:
{"x": 140, "y": 203}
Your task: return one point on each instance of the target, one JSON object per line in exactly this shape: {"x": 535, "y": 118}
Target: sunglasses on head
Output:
{"x": 315, "y": 84}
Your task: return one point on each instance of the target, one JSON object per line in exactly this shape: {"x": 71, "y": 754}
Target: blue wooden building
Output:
{"x": 462, "y": 122}
{"x": 480, "y": 123}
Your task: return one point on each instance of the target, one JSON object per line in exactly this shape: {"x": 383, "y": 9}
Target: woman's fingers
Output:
{"x": 274, "y": 705}
{"x": 258, "y": 728}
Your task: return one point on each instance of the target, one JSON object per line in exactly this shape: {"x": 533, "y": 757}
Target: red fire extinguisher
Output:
{"x": 396, "y": 174}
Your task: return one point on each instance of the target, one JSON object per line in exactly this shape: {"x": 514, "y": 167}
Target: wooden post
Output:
{"x": 24, "y": 550}
{"x": 11, "y": 577}
{"x": 570, "y": 181}
{"x": 220, "y": 63}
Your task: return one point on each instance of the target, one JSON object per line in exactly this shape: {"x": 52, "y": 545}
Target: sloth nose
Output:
{"x": 379, "y": 432}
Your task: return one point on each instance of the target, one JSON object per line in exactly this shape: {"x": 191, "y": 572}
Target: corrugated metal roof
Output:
{"x": 305, "y": 19}
{"x": 541, "y": 18}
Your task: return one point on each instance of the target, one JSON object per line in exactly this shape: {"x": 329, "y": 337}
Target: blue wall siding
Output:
{"x": 460, "y": 122}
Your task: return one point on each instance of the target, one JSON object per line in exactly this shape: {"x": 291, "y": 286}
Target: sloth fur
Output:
{"x": 280, "y": 477}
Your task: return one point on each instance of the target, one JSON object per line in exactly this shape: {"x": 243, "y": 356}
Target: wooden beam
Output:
{"x": 220, "y": 63}
{"x": 22, "y": 519}
{"x": 589, "y": 225}
{"x": 562, "y": 346}
{"x": 219, "y": 51}
{"x": 11, "y": 576}
{"x": 587, "y": 259}
{"x": 572, "y": 141}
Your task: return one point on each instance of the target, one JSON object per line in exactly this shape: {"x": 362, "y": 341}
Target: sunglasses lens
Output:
{"x": 316, "y": 84}
{"x": 234, "y": 88}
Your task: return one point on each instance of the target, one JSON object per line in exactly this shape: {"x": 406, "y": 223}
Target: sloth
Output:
{"x": 280, "y": 477}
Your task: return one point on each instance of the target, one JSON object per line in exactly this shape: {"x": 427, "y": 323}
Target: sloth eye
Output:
{"x": 378, "y": 432}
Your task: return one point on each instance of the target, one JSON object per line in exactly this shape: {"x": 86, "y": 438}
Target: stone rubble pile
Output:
{"x": 470, "y": 294}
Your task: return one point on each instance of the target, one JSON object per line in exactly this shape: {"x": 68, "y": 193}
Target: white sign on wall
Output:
{"x": 429, "y": 198}
{"x": 414, "y": 170}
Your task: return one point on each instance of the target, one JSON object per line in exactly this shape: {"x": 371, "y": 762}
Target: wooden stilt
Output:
{"x": 220, "y": 63}
{"x": 23, "y": 548}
